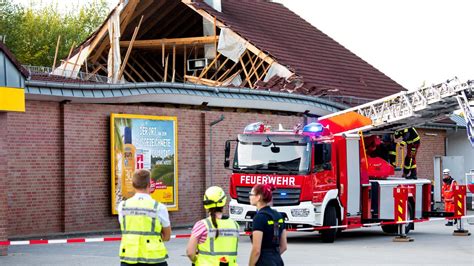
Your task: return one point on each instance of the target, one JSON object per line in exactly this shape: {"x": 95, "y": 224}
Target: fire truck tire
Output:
{"x": 330, "y": 219}
{"x": 393, "y": 228}
{"x": 390, "y": 228}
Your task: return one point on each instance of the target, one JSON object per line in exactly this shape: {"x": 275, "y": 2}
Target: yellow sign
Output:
{"x": 144, "y": 142}
{"x": 164, "y": 195}
{"x": 12, "y": 99}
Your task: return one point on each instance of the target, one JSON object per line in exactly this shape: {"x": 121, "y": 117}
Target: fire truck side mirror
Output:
{"x": 227, "y": 154}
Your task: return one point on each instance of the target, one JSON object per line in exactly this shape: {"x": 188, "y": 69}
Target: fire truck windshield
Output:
{"x": 272, "y": 153}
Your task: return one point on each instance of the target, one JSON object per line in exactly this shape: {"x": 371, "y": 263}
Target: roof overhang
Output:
{"x": 179, "y": 93}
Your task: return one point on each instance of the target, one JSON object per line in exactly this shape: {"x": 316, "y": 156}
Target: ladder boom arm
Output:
{"x": 410, "y": 108}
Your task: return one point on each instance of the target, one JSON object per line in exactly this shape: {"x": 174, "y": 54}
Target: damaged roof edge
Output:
{"x": 52, "y": 90}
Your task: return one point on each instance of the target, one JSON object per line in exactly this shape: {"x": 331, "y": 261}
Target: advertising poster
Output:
{"x": 144, "y": 142}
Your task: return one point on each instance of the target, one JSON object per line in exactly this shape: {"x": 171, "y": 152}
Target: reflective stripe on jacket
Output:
{"x": 223, "y": 248}
{"x": 410, "y": 135}
{"x": 141, "y": 232}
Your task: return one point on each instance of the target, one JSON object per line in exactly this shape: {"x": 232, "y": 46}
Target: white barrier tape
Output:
{"x": 93, "y": 240}
{"x": 371, "y": 224}
{"x": 16, "y": 243}
{"x": 318, "y": 228}
{"x": 57, "y": 241}
{"x": 77, "y": 240}
{"x": 109, "y": 239}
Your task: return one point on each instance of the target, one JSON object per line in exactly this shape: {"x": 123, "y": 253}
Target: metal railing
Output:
{"x": 349, "y": 100}
{"x": 42, "y": 70}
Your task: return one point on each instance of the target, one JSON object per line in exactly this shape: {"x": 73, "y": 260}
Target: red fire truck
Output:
{"x": 323, "y": 175}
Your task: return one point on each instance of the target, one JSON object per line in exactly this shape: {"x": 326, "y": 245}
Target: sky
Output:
{"x": 411, "y": 41}
{"x": 414, "y": 42}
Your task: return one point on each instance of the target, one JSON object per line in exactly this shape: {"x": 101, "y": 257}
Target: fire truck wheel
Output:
{"x": 330, "y": 219}
{"x": 390, "y": 228}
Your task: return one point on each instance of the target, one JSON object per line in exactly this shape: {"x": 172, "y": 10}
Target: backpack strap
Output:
{"x": 276, "y": 221}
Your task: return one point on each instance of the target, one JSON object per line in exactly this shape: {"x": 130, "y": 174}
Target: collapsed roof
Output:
{"x": 251, "y": 44}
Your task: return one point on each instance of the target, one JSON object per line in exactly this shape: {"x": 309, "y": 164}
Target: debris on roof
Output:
{"x": 252, "y": 44}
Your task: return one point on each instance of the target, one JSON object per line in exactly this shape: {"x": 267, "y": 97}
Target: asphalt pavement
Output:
{"x": 433, "y": 244}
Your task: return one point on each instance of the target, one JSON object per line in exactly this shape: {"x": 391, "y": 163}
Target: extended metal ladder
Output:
{"x": 416, "y": 107}
{"x": 468, "y": 112}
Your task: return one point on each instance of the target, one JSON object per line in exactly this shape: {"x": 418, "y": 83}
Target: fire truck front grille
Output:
{"x": 281, "y": 196}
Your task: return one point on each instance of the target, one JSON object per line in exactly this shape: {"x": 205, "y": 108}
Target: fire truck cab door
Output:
{"x": 323, "y": 169}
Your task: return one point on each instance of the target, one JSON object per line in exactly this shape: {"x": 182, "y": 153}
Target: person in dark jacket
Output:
{"x": 411, "y": 139}
{"x": 387, "y": 150}
{"x": 268, "y": 231}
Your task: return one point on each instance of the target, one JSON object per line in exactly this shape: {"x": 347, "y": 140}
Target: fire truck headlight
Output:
{"x": 236, "y": 210}
{"x": 300, "y": 212}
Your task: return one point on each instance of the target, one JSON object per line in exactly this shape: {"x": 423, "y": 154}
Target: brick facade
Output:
{"x": 34, "y": 170}
{"x": 432, "y": 144}
{"x": 58, "y": 175}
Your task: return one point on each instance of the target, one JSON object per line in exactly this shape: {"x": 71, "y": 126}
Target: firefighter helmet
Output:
{"x": 214, "y": 197}
{"x": 446, "y": 171}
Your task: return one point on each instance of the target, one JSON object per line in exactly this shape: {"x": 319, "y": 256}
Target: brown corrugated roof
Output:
{"x": 321, "y": 62}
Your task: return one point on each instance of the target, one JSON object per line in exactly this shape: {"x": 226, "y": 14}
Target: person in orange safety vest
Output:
{"x": 447, "y": 191}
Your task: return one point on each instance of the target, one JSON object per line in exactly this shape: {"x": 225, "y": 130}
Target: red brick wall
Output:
{"x": 432, "y": 144}
{"x": 34, "y": 170}
{"x": 59, "y": 163}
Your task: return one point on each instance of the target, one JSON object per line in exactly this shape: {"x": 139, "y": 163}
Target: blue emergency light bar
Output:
{"x": 313, "y": 128}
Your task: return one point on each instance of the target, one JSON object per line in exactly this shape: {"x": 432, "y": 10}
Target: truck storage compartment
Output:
{"x": 382, "y": 197}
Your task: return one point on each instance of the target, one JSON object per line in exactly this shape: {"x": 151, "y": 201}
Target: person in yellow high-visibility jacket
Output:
{"x": 214, "y": 240}
{"x": 145, "y": 226}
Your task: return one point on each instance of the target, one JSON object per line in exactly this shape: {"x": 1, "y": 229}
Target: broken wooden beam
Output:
{"x": 56, "y": 53}
{"x": 202, "y": 81}
{"x": 166, "y": 41}
{"x": 129, "y": 50}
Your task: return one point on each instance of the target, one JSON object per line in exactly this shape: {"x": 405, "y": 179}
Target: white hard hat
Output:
{"x": 446, "y": 171}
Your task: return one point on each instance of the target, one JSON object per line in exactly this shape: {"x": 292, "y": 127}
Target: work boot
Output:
{"x": 412, "y": 174}
{"x": 449, "y": 223}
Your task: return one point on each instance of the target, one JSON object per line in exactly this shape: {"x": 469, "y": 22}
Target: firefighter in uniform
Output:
{"x": 268, "y": 229}
{"x": 388, "y": 150}
{"x": 392, "y": 149}
{"x": 447, "y": 191}
{"x": 145, "y": 225}
{"x": 214, "y": 240}
{"x": 411, "y": 139}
